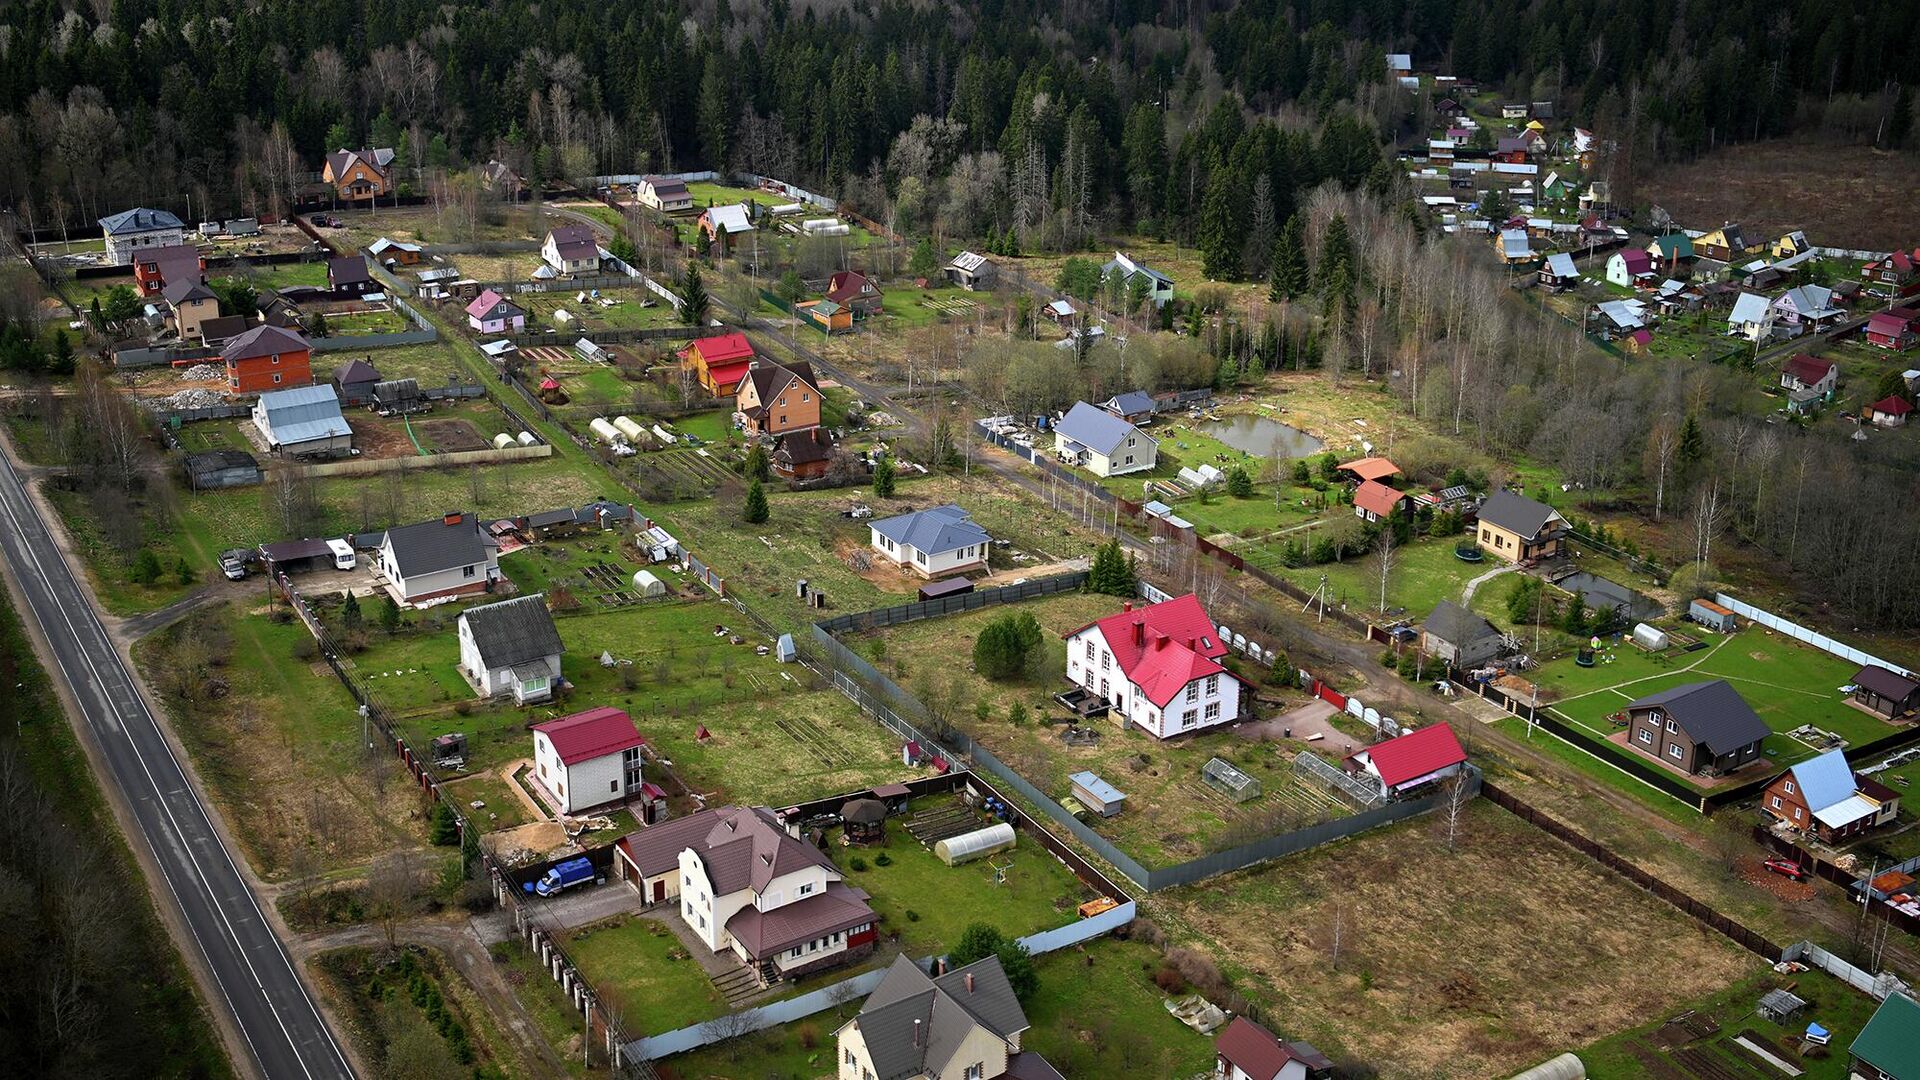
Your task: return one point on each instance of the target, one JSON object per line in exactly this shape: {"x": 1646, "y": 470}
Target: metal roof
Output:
{"x": 138, "y": 220}
{"x": 302, "y": 414}
{"x": 935, "y": 531}
{"x": 1096, "y": 787}
{"x": 1096, "y": 428}
{"x": 1713, "y": 714}
{"x": 1516, "y": 513}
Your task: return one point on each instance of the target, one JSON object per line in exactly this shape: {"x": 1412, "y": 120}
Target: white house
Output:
{"x": 587, "y": 760}
{"x": 132, "y": 231}
{"x": 1630, "y": 268}
{"x": 1159, "y": 285}
{"x": 663, "y": 193}
{"x": 301, "y": 421}
{"x": 1752, "y": 318}
{"x": 1157, "y": 667}
{"x": 511, "y": 647}
{"x": 434, "y": 560}
{"x": 966, "y": 1024}
{"x": 938, "y": 540}
{"x": 1803, "y": 309}
{"x": 1809, "y": 374}
{"x": 1102, "y": 443}
{"x": 746, "y": 886}
{"x": 571, "y": 249}
{"x": 1247, "y": 1051}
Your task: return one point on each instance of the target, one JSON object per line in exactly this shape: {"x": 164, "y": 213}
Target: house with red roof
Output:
{"x": 1375, "y": 501}
{"x": 1370, "y": 468}
{"x": 1158, "y": 667}
{"x": 1247, "y": 1051}
{"x": 1889, "y": 411}
{"x": 854, "y": 290}
{"x": 1895, "y": 328}
{"x": 1895, "y": 274}
{"x": 588, "y": 759}
{"x": 1406, "y": 763}
{"x": 1630, "y": 267}
{"x": 719, "y": 362}
{"x": 1809, "y": 374}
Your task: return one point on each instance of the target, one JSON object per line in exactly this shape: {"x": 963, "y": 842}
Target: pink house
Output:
{"x": 491, "y": 313}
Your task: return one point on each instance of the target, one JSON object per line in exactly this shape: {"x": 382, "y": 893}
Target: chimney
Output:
{"x": 451, "y": 517}
{"x": 969, "y": 982}
{"x": 1139, "y": 632}
{"x": 916, "y": 1033}
{"x": 1127, "y": 606}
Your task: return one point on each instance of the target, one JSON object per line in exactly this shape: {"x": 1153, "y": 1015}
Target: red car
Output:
{"x": 1787, "y": 868}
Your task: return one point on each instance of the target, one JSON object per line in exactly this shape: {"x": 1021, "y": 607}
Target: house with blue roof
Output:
{"x": 933, "y": 542}
{"x": 130, "y": 232}
{"x": 1824, "y": 798}
{"x": 1096, "y": 440}
{"x": 303, "y": 421}
{"x": 1134, "y": 406}
{"x": 1159, "y": 285}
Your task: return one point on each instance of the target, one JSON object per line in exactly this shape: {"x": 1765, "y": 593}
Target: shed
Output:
{"x": 934, "y": 590}
{"x": 784, "y": 651}
{"x": 646, "y": 584}
{"x": 221, "y": 469}
{"x": 1780, "y": 1006}
{"x": 1230, "y": 781}
{"x": 399, "y": 396}
{"x": 1650, "y": 637}
{"x": 1712, "y": 615}
{"x": 865, "y": 821}
{"x": 1098, "y": 795}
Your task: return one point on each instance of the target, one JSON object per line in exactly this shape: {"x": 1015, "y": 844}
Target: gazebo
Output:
{"x": 865, "y": 821}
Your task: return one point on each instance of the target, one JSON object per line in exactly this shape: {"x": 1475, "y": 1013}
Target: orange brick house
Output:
{"x": 360, "y": 175}
{"x": 267, "y": 358}
{"x": 719, "y": 362}
{"x": 156, "y": 268}
{"x": 773, "y": 400}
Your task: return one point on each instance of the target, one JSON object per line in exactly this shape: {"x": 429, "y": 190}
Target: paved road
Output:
{"x": 255, "y": 981}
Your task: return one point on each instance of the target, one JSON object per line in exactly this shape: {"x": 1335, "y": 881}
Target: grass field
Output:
{"x": 425, "y": 225}
{"x": 641, "y": 968}
{"x": 630, "y": 313}
{"x": 366, "y": 322}
{"x": 430, "y": 363}
{"x": 1558, "y": 952}
{"x": 372, "y": 992}
{"x": 1424, "y": 573}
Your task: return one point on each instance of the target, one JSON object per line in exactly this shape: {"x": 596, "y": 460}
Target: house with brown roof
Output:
{"x": 1885, "y": 693}
{"x": 1895, "y": 274}
{"x": 1697, "y": 729}
{"x": 189, "y": 304}
{"x": 348, "y": 277}
{"x": 571, "y": 249}
{"x": 360, "y": 175}
{"x": 775, "y": 399}
{"x": 667, "y": 194}
{"x": 856, "y": 291}
{"x": 1889, "y": 412}
{"x": 1809, "y": 374}
{"x": 1895, "y": 328}
{"x": 155, "y": 268}
{"x": 1247, "y": 1051}
{"x": 264, "y": 358}
{"x": 965, "y": 1024}
{"x": 1375, "y": 501}
{"x": 745, "y": 886}
{"x": 803, "y": 455}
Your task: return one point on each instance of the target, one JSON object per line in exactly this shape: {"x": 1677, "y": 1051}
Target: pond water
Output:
{"x": 1257, "y": 435}
{"x": 1598, "y": 592}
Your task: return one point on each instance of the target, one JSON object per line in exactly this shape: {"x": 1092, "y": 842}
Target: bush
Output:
{"x": 1002, "y": 650}
{"x": 883, "y": 859}
{"x": 1201, "y": 973}
{"x": 444, "y": 830}
{"x": 1170, "y": 980}
{"x": 809, "y": 1036}
{"x": 146, "y": 568}
{"x": 1017, "y": 714}
{"x": 305, "y": 650}
{"x": 858, "y": 864}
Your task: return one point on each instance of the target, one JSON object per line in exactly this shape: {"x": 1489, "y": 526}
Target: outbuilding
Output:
{"x": 217, "y": 469}
{"x": 1712, "y": 616}
{"x": 1885, "y": 692}
{"x": 304, "y": 421}
{"x": 1408, "y": 763}
{"x": 1459, "y": 636}
{"x": 1097, "y": 795}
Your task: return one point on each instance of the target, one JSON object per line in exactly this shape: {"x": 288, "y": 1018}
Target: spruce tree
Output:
{"x": 755, "y": 511}
{"x": 883, "y": 477}
{"x": 1239, "y": 484}
{"x": 350, "y": 611}
{"x": 694, "y": 304}
{"x": 1290, "y": 276}
{"x": 1336, "y": 251}
{"x": 756, "y": 465}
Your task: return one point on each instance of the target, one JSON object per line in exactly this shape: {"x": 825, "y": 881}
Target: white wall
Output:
{"x": 439, "y": 581}
{"x": 1134, "y": 705}
{"x": 593, "y": 782}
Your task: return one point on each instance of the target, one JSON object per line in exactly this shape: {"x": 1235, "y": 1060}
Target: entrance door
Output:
{"x": 659, "y": 890}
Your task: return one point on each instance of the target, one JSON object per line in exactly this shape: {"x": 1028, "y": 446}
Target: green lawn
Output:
{"x": 283, "y": 275}
{"x": 639, "y": 966}
{"x": 554, "y": 1016}
{"x": 1424, "y": 573}
{"x": 909, "y": 305}
{"x": 366, "y": 322}
{"x": 706, "y": 193}
{"x": 430, "y": 363}
{"x": 502, "y": 809}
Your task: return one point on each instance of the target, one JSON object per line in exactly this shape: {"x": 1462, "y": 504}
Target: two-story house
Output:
{"x": 1803, "y": 374}
{"x": 745, "y": 886}
{"x": 1157, "y": 666}
{"x": 189, "y": 303}
{"x": 719, "y": 362}
{"x": 359, "y": 175}
{"x": 1824, "y": 798}
{"x": 1247, "y": 1051}
{"x": 266, "y": 358}
{"x": 155, "y": 268}
{"x": 1699, "y": 728}
{"x": 491, "y": 313}
{"x": 966, "y": 1024}
{"x": 1517, "y": 528}
{"x": 588, "y": 759}
{"x": 132, "y": 232}
{"x": 571, "y": 249}
{"x": 1101, "y": 443}
{"x": 452, "y": 555}
{"x": 856, "y": 291}
{"x": 667, "y": 194}
{"x": 349, "y": 279}
{"x": 511, "y": 647}
{"x": 774, "y": 399}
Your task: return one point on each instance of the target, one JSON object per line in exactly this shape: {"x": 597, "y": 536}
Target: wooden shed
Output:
{"x": 1098, "y": 795}
{"x": 1712, "y": 616}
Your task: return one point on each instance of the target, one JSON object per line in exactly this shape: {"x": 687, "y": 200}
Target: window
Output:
{"x": 1213, "y": 710}
{"x": 976, "y": 1071}
{"x": 1789, "y": 790}
{"x": 1674, "y": 751}
{"x": 1129, "y": 460}
{"x": 1193, "y": 691}
{"x": 613, "y": 786}
{"x": 1776, "y": 802}
{"x": 1672, "y": 728}
{"x": 804, "y": 889}
{"x": 1213, "y": 685}
{"x": 797, "y": 950}
{"x": 276, "y": 358}
{"x": 466, "y": 571}
{"x": 1646, "y": 736}
{"x": 276, "y": 376}
{"x": 1188, "y": 718}
{"x": 1106, "y": 661}
{"x": 1089, "y": 648}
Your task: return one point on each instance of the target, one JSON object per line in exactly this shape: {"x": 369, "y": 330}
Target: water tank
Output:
{"x": 527, "y": 439}
{"x": 605, "y": 431}
{"x": 966, "y": 847}
{"x": 502, "y": 441}
{"x": 1564, "y": 1067}
{"x": 628, "y": 428}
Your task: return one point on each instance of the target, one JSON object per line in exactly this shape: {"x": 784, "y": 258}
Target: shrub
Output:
{"x": 305, "y": 650}
{"x": 1017, "y": 714}
{"x": 883, "y": 859}
{"x": 858, "y": 863}
{"x": 1004, "y": 646}
{"x": 1170, "y": 980}
{"x": 809, "y": 1036}
{"x": 912, "y": 915}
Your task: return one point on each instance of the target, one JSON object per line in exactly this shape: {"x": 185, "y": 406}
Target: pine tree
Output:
{"x": 1239, "y": 484}
{"x": 390, "y": 617}
{"x": 183, "y": 572}
{"x": 1693, "y": 443}
{"x": 146, "y": 568}
{"x": 1227, "y": 375}
{"x": 1112, "y": 572}
{"x": 350, "y": 611}
{"x": 883, "y": 477}
{"x": 755, "y": 510}
{"x": 1222, "y": 237}
{"x": 925, "y": 259}
{"x": 694, "y": 304}
{"x": 1290, "y": 276}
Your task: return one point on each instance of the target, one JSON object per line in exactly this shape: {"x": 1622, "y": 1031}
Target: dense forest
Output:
{"x": 1050, "y": 119}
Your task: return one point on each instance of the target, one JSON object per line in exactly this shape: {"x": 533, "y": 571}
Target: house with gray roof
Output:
{"x": 1102, "y": 443}
{"x": 1460, "y": 637}
{"x": 1134, "y": 406}
{"x": 433, "y": 561}
{"x": 1519, "y": 529}
{"x": 932, "y": 542}
{"x": 130, "y": 232}
{"x": 964, "y": 1023}
{"x": 302, "y": 422}
{"x": 1697, "y": 729}
{"x": 971, "y": 271}
{"x": 511, "y": 647}
{"x": 1159, "y": 285}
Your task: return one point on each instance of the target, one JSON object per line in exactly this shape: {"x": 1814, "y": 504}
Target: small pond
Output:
{"x": 1259, "y": 435}
{"x": 1600, "y": 593}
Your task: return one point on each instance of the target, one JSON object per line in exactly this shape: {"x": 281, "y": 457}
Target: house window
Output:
{"x": 1089, "y": 648}
{"x": 1213, "y": 685}
{"x": 850, "y": 1058}
{"x": 1674, "y": 751}
{"x": 276, "y": 376}
{"x": 276, "y": 358}
{"x": 1789, "y": 787}
{"x": 975, "y": 1071}
{"x": 1188, "y": 718}
{"x": 1646, "y": 736}
{"x": 804, "y": 889}
{"x": 1213, "y": 710}
{"x": 1672, "y": 728}
{"x": 613, "y": 786}
{"x": 1193, "y": 691}
{"x": 797, "y": 950}
{"x": 1106, "y": 661}
{"x": 1776, "y": 802}
{"x": 466, "y": 571}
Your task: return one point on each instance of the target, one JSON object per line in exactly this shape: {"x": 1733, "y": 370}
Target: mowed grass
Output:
{"x": 643, "y": 971}
{"x": 430, "y": 363}
{"x": 1423, "y": 574}
{"x": 1474, "y": 962}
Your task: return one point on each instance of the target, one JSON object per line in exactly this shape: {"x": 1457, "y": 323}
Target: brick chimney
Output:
{"x": 451, "y": 517}
{"x": 1139, "y": 632}
{"x": 969, "y": 982}
{"x": 1127, "y": 606}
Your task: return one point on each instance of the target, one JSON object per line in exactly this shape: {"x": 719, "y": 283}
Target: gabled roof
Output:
{"x": 1712, "y": 714}
{"x": 1096, "y": 428}
{"x": 384, "y": 244}
{"x": 1749, "y": 308}
{"x": 666, "y": 187}
{"x": 936, "y": 530}
{"x": 1560, "y": 265}
{"x": 1260, "y": 1054}
{"x": 723, "y": 348}
{"x": 913, "y": 1025}
{"x": 1131, "y": 403}
{"x": 1809, "y": 300}
{"x": 138, "y": 220}
{"x": 1886, "y": 683}
{"x": 1457, "y": 625}
{"x": 376, "y": 159}
{"x": 1517, "y": 514}
{"x": 491, "y": 305}
{"x": 429, "y": 546}
{"x": 302, "y": 414}
{"x": 1891, "y": 1040}
{"x": 846, "y": 286}
{"x": 1377, "y": 498}
{"x": 1805, "y": 369}
{"x": 1128, "y": 267}
{"x": 1888, "y": 323}
{"x": 1673, "y": 246}
{"x": 574, "y": 243}
{"x": 347, "y": 270}
{"x": 770, "y": 379}
{"x": 590, "y": 734}
{"x": 355, "y": 371}
{"x": 513, "y": 631}
{"x": 731, "y": 218}
{"x": 1637, "y": 260}
{"x": 773, "y": 931}
{"x": 969, "y": 262}
{"x": 1371, "y": 468}
{"x": 1832, "y": 794}
{"x": 1162, "y": 647}
{"x": 187, "y": 290}
{"x": 1892, "y": 405}
{"x": 798, "y": 448}
{"x": 1623, "y": 314}
{"x": 1409, "y": 757}
{"x": 263, "y": 340}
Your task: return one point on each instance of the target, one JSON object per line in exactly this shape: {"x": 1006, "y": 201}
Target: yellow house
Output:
{"x": 1790, "y": 245}
{"x": 965, "y": 1023}
{"x": 1519, "y": 529}
{"x": 190, "y": 304}
{"x": 1724, "y": 244}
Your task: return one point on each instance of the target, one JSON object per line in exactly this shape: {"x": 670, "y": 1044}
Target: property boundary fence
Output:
{"x": 947, "y": 605}
{"x": 1877, "y": 986}
{"x": 1822, "y": 868}
{"x": 1735, "y": 932}
{"x": 1815, "y": 638}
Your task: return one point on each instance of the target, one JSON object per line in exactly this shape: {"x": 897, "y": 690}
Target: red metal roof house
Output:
{"x": 589, "y": 759}
{"x": 1406, "y": 762}
{"x": 1247, "y": 1051}
{"x": 719, "y": 362}
{"x": 1157, "y": 666}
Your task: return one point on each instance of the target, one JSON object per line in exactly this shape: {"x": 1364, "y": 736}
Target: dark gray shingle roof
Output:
{"x": 1516, "y": 513}
{"x": 1456, "y": 625}
{"x": 1713, "y": 714}
{"x": 431, "y": 546}
{"x": 513, "y": 631}
{"x": 946, "y": 1010}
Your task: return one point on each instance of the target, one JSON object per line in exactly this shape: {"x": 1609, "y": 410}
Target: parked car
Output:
{"x": 234, "y": 563}
{"x": 1787, "y": 868}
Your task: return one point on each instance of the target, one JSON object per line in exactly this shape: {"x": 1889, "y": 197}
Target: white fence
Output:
{"x": 1815, "y": 638}
{"x": 1879, "y": 986}
{"x": 787, "y": 1011}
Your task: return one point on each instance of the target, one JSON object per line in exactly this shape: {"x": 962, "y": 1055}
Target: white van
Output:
{"x": 343, "y": 558}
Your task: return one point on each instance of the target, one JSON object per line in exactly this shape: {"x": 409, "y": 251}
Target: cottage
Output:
{"x": 1809, "y": 375}
{"x": 189, "y": 305}
{"x": 277, "y": 310}
{"x": 1158, "y": 667}
{"x": 964, "y": 1025}
{"x": 856, "y": 291}
{"x": 1806, "y": 309}
{"x": 803, "y": 455}
{"x": 1893, "y": 275}
{"x": 433, "y": 560}
{"x": 571, "y": 249}
{"x": 1159, "y": 285}
{"x": 1407, "y": 763}
{"x": 720, "y": 224}
{"x": 1554, "y": 188}
{"x": 1672, "y": 253}
{"x": 265, "y": 358}
{"x": 1370, "y": 468}
{"x": 130, "y": 232}
{"x": 972, "y": 272}
{"x": 511, "y": 647}
{"x": 932, "y": 542}
{"x": 1824, "y": 798}
{"x": 303, "y": 422}
{"x": 588, "y": 759}
{"x": 353, "y": 382}
{"x": 491, "y": 313}
{"x": 1724, "y": 244}
{"x": 1790, "y": 244}
{"x": 1399, "y": 64}
{"x": 359, "y": 175}
{"x": 745, "y": 887}
{"x": 1134, "y": 406}
{"x": 1752, "y": 318}
{"x": 1061, "y": 313}
{"x": 719, "y": 362}
{"x": 1896, "y": 328}
{"x": 1513, "y": 246}
{"x": 1630, "y": 268}
{"x": 1247, "y": 1051}
{"x": 667, "y": 194}
{"x": 503, "y": 180}
{"x": 1559, "y": 274}
{"x": 1102, "y": 443}
{"x": 391, "y": 253}
{"x": 215, "y": 469}
{"x": 347, "y": 276}
{"x": 1888, "y": 1048}
{"x": 774, "y": 399}
{"x": 1459, "y": 637}
{"x": 828, "y": 316}
{"x": 155, "y": 268}
{"x": 1698, "y": 729}
{"x": 1889, "y": 412}
{"x": 1374, "y": 501}
{"x": 1519, "y": 529}
{"x": 1885, "y": 693}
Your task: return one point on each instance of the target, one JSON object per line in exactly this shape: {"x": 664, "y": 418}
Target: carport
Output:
{"x": 297, "y": 556}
